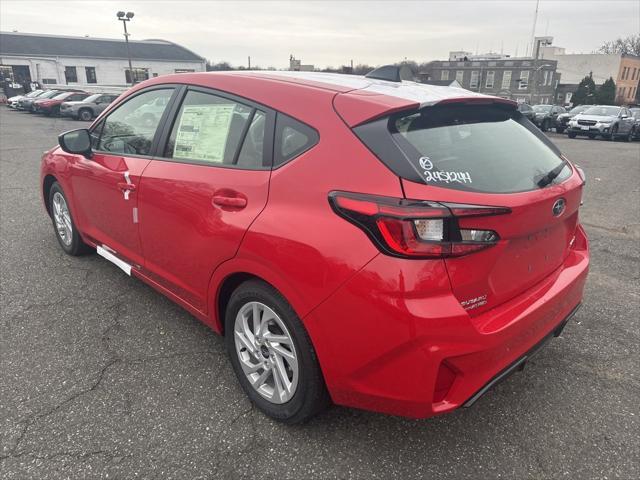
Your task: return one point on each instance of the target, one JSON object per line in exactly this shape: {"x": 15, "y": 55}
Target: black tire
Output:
{"x": 311, "y": 395}
{"x": 571, "y": 134}
{"x": 591, "y": 136}
{"x": 559, "y": 129}
{"x": 85, "y": 114}
{"x": 545, "y": 126}
{"x": 629, "y": 136}
{"x": 614, "y": 133}
{"x": 76, "y": 247}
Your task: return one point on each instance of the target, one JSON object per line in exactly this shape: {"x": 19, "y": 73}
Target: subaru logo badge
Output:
{"x": 425, "y": 163}
{"x": 558, "y": 207}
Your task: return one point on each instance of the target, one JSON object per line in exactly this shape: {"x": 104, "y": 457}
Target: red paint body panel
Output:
{"x": 358, "y": 107}
{"x": 413, "y": 324}
{"x": 102, "y": 211}
{"x": 186, "y": 236}
{"x": 390, "y": 333}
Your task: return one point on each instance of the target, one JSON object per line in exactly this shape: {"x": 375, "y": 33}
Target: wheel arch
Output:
{"x": 228, "y": 276}
{"x": 227, "y": 287}
{"x": 47, "y": 183}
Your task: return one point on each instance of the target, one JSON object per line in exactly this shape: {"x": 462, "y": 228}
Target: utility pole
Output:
{"x": 533, "y": 30}
{"x": 249, "y": 61}
{"x": 124, "y": 18}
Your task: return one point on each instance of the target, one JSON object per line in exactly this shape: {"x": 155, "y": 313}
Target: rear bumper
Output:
{"x": 520, "y": 362}
{"x": 394, "y": 339}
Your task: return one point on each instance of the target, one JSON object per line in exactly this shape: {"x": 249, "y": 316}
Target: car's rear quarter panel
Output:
{"x": 298, "y": 244}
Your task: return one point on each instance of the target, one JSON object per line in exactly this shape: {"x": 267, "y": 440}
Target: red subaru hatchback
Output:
{"x": 382, "y": 244}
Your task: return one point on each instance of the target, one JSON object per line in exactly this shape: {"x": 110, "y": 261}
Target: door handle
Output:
{"x": 124, "y": 186}
{"x": 229, "y": 201}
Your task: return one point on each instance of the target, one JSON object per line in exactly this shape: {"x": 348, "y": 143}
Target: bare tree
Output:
{"x": 629, "y": 45}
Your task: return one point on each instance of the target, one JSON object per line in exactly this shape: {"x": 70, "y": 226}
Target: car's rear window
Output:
{"x": 476, "y": 148}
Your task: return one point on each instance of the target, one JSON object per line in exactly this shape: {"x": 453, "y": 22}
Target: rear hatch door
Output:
{"x": 534, "y": 241}
{"x": 490, "y": 155}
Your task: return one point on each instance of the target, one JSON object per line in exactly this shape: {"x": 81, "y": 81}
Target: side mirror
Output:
{"x": 76, "y": 141}
{"x": 624, "y": 115}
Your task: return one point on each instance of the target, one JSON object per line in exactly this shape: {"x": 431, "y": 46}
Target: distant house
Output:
{"x": 623, "y": 68}
{"x": 86, "y": 62}
{"x": 523, "y": 79}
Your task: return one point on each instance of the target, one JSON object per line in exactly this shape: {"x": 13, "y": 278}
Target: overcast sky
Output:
{"x": 333, "y": 33}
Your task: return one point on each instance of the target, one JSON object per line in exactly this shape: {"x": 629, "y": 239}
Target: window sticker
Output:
{"x": 439, "y": 176}
{"x": 203, "y": 131}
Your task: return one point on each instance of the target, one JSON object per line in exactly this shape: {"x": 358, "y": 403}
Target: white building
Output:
{"x": 624, "y": 69}
{"x": 461, "y": 55}
{"x": 86, "y": 62}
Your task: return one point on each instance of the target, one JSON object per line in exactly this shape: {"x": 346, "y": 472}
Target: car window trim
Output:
{"x": 154, "y": 143}
{"x": 243, "y": 137}
{"x": 269, "y": 131}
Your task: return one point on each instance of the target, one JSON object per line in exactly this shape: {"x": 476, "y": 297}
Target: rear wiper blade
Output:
{"x": 552, "y": 175}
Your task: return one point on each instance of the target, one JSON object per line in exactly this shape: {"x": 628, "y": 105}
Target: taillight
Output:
{"x": 416, "y": 228}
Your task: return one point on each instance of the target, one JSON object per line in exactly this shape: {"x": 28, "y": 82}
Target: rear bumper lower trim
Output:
{"x": 520, "y": 362}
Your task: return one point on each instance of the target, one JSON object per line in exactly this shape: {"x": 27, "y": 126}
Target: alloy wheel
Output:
{"x": 62, "y": 218}
{"x": 266, "y": 352}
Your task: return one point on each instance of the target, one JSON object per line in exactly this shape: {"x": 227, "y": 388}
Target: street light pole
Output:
{"x": 124, "y": 18}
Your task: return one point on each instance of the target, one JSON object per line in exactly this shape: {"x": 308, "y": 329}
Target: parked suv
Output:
{"x": 545, "y": 116}
{"x": 609, "y": 122}
{"x": 387, "y": 245}
{"x": 562, "y": 120}
{"x": 51, "y": 106}
{"x": 87, "y": 109}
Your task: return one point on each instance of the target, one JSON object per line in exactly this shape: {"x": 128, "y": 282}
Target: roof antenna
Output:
{"x": 392, "y": 73}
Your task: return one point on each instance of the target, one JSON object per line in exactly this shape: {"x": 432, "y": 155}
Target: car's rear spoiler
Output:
{"x": 360, "y": 106}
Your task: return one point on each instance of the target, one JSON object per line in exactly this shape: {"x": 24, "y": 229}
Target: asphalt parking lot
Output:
{"x": 102, "y": 377}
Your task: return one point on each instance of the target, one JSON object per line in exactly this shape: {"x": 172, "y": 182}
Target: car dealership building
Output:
{"x": 85, "y": 62}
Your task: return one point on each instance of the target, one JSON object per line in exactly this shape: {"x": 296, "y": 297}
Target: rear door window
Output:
{"x": 215, "y": 130}
{"x": 476, "y": 148}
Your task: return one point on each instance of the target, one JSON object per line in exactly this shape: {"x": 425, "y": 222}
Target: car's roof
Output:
{"x": 412, "y": 91}
{"x": 355, "y": 98}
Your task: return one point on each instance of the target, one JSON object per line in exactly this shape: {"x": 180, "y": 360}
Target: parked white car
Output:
{"x": 13, "y": 101}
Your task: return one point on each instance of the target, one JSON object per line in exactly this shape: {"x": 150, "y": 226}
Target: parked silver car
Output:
{"x": 13, "y": 101}
{"x": 89, "y": 108}
{"x": 608, "y": 121}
